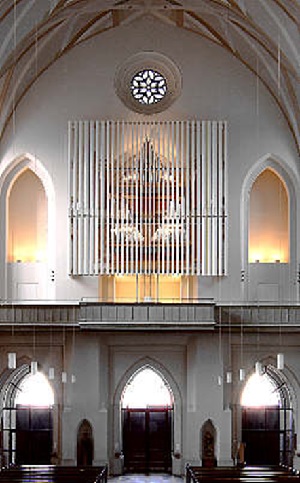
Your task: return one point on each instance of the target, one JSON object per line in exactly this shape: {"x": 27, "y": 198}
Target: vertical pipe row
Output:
{"x": 147, "y": 197}
{"x": 164, "y": 206}
{"x": 103, "y": 205}
{"x": 225, "y": 198}
{"x": 71, "y": 217}
{"x": 198, "y": 198}
{"x": 188, "y": 212}
{"x": 86, "y": 207}
{"x": 178, "y": 204}
{"x": 80, "y": 199}
{"x": 172, "y": 203}
{"x": 214, "y": 198}
{"x": 183, "y": 199}
{"x": 97, "y": 206}
{"x": 192, "y": 210}
{"x": 91, "y": 196}
{"x": 221, "y": 198}
{"x": 107, "y": 201}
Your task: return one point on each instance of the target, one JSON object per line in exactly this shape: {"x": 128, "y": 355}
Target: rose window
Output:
{"x": 148, "y": 86}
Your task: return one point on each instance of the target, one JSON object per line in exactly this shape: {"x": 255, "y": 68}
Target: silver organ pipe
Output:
{"x": 147, "y": 197}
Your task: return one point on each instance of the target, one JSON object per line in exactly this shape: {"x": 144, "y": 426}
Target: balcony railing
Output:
{"x": 195, "y": 314}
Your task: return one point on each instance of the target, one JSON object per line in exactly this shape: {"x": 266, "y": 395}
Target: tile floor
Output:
{"x": 140, "y": 478}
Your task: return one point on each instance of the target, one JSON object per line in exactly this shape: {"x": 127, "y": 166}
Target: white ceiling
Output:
{"x": 263, "y": 34}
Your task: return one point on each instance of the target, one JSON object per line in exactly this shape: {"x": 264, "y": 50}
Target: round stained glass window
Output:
{"x": 148, "y": 86}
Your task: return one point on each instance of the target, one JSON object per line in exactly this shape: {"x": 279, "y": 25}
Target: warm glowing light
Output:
{"x": 145, "y": 389}
{"x": 260, "y": 391}
{"x": 35, "y": 390}
{"x": 269, "y": 220}
{"x": 26, "y": 254}
{"x": 266, "y": 255}
{"x": 27, "y": 221}
{"x": 165, "y": 288}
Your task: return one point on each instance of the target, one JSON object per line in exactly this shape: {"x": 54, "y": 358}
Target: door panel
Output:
{"x": 33, "y": 435}
{"x": 147, "y": 439}
{"x": 261, "y": 435}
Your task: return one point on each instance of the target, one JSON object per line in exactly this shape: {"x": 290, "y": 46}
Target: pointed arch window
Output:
{"x": 27, "y": 219}
{"x": 147, "y": 388}
{"x": 269, "y": 219}
{"x": 35, "y": 391}
{"x": 260, "y": 391}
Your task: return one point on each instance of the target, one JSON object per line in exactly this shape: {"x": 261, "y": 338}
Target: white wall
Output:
{"x": 214, "y": 86}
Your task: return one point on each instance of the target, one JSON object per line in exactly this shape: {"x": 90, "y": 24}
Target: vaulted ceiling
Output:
{"x": 262, "y": 34}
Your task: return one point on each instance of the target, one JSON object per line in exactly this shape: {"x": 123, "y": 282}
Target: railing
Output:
{"x": 102, "y": 477}
{"x": 259, "y": 313}
{"x": 190, "y": 476}
{"x": 195, "y": 313}
{"x": 30, "y": 313}
{"x": 170, "y": 314}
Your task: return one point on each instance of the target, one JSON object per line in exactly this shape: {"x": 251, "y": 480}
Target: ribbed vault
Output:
{"x": 262, "y": 34}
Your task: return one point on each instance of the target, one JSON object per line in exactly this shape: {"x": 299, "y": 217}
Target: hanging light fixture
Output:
{"x": 219, "y": 380}
{"x": 73, "y": 378}
{"x": 229, "y": 377}
{"x": 242, "y": 374}
{"x": 12, "y": 360}
{"x": 64, "y": 377}
{"x": 258, "y": 368}
{"x": 280, "y": 361}
{"x": 33, "y": 367}
{"x": 51, "y": 373}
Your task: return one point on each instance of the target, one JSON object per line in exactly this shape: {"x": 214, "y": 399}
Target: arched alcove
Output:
{"x": 269, "y": 219}
{"x": 208, "y": 444}
{"x": 268, "y": 237}
{"x": 27, "y": 253}
{"x": 27, "y": 219}
{"x": 172, "y": 412}
{"x": 85, "y": 444}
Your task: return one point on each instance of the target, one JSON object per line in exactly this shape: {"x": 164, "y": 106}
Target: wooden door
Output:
{"x": 33, "y": 435}
{"x": 147, "y": 439}
{"x": 261, "y": 435}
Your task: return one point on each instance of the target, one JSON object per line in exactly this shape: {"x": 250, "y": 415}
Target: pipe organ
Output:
{"x": 147, "y": 198}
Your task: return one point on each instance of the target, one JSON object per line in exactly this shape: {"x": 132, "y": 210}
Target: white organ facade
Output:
{"x": 149, "y": 220}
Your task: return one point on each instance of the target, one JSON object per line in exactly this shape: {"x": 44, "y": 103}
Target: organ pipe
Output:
{"x": 147, "y": 197}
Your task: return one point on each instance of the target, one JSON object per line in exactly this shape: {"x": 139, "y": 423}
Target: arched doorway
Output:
{"x": 267, "y": 419}
{"x": 85, "y": 444}
{"x": 147, "y": 421}
{"x": 27, "y": 419}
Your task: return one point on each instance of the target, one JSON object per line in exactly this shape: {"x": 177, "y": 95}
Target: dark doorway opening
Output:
{"x": 147, "y": 439}
{"x": 85, "y": 444}
{"x": 34, "y": 430}
{"x": 268, "y": 435}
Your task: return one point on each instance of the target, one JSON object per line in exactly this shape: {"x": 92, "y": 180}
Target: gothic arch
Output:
{"x": 286, "y": 176}
{"x": 85, "y": 444}
{"x": 286, "y": 382}
{"x": 291, "y": 182}
{"x": 116, "y": 436}
{"x": 208, "y": 443}
{"x": 10, "y": 382}
{"x": 7, "y": 177}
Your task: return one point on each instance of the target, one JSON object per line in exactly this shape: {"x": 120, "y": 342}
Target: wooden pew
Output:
{"x": 198, "y": 474}
{"x": 54, "y": 474}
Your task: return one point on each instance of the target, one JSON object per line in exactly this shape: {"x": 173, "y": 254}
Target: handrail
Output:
{"x": 102, "y": 477}
{"x": 190, "y": 475}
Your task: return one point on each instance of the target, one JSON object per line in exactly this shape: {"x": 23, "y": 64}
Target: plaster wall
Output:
{"x": 215, "y": 85}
